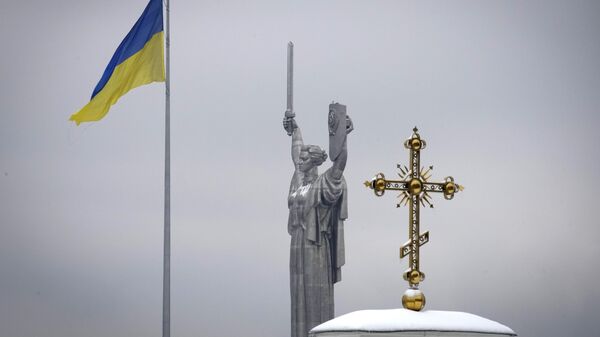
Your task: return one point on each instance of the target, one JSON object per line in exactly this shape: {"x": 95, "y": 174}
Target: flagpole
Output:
{"x": 166, "y": 324}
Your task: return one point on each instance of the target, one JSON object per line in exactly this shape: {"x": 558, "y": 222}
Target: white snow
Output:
{"x": 407, "y": 320}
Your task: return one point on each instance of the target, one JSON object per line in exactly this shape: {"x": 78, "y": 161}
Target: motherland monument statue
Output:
{"x": 317, "y": 210}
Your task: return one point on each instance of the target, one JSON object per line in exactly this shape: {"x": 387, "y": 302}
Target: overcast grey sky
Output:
{"x": 506, "y": 93}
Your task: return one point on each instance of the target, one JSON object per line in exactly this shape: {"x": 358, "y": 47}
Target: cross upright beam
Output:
{"x": 415, "y": 189}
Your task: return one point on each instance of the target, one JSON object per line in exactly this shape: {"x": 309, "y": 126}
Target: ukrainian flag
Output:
{"x": 139, "y": 60}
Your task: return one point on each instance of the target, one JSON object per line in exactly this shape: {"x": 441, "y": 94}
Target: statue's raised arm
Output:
{"x": 292, "y": 129}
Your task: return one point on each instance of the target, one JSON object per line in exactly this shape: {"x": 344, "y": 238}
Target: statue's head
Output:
{"x": 311, "y": 156}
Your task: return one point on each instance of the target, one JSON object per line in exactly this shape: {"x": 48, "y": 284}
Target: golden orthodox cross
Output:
{"x": 415, "y": 187}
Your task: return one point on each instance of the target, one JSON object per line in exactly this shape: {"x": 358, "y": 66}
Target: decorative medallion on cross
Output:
{"x": 415, "y": 190}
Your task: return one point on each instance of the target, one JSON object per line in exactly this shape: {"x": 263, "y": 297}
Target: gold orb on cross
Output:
{"x": 415, "y": 144}
{"x": 415, "y": 186}
{"x": 413, "y": 299}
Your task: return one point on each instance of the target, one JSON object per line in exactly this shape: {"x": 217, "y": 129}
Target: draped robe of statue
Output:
{"x": 316, "y": 225}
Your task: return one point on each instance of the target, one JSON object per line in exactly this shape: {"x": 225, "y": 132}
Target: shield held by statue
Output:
{"x": 337, "y": 129}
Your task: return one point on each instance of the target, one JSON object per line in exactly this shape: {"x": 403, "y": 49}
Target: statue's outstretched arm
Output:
{"x": 290, "y": 125}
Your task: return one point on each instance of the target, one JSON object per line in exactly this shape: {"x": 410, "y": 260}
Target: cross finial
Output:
{"x": 415, "y": 187}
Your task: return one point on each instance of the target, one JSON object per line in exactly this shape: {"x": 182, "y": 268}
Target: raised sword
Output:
{"x": 289, "y": 111}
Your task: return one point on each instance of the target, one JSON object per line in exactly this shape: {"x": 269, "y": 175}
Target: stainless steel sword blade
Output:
{"x": 289, "y": 112}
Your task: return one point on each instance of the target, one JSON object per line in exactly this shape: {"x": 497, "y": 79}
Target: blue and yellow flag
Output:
{"x": 139, "y": 60}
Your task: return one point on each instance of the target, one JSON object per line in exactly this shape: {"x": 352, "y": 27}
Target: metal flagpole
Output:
{"x": 166, "y": 324}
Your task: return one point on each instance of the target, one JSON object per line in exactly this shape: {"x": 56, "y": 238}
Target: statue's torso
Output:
{"x": 298, "y": 201}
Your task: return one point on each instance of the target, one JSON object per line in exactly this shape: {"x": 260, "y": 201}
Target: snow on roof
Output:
{"x": 406, "y": 320}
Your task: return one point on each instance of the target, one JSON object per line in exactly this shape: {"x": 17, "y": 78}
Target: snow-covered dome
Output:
{"x": 403, "y": 322}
